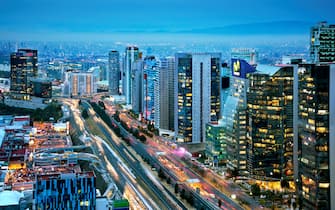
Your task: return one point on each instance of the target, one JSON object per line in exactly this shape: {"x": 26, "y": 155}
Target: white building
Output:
{"x": 197, "y": 84}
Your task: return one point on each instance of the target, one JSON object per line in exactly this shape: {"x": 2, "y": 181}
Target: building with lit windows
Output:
{"x": 137, "y": 88}
{"x": 270, "y": 121}
{"x": 234, "y": 117}
{"x": 197, "y": 85}
{"x": 65, "y": 191}
{"x": 41, "y": 87}
{"x": 216, "y": 146}
{"x": 322, "y": 45}
{"x": 151, "y": 89}
{"x": 132, "y": 54}
{"x": 114, "y": 72}
{"x": 314, "y": 136}
{"x": 166, "y": 92}
{"x": 80, "y": 84}
{"x": 23, "y": 67}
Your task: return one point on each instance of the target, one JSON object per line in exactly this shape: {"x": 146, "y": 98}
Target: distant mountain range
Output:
{"x": 266, "y": 28}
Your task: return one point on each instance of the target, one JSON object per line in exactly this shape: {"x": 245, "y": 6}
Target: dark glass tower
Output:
{"x": 114, "y": 72}
{"x": 270, "y": 119}
{"x": 315, "y": 136}
{"x": 23, "y": 68}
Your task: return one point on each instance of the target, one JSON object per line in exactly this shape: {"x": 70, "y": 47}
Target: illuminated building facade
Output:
{"x": 270, "y": 120}
{"x": 132, "y": 54}
{"x": 41, "y": 88}
{"x": 197, "y": 85}
{"x": 81, "y": 84}
{"x": 216, "y": 147}
{"x": 151, "y": 88}
{"x": 322, "y": 46}
{"x": 315, "y": 136}
{"x": 234, "y": 117}
{"x": 23, "y": 67}
{"x": 65, "y": 191}
{"x": 114, "y": 72}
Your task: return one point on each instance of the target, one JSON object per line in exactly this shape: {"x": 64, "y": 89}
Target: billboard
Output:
{"x": 240, "y": 68}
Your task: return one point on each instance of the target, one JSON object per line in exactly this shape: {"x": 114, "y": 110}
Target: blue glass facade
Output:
{"x": 65, "y": 191}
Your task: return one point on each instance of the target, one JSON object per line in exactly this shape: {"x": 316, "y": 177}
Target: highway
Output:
{"x": 155, "y": 194}
{"x": 209, "y": 192}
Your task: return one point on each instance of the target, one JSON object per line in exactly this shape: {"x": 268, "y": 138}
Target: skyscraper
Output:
{"x": 114, "y": 72}
{"x": 132, "y": 54}
{"x": 137, "y": 88}
{"x": 166, "y": 92}
{"x": 23, "y": 68}
{"x": 151, "y": 88}
{"x": 270, "y": 120}
{"x": 197, "y": 84}
{"x": 315, "y": 135}
{"x": 234, "y": 117}
{"x": 322, "y": 45}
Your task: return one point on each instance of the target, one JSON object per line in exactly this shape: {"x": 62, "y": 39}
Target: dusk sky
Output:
{"x": 20, "y": 17}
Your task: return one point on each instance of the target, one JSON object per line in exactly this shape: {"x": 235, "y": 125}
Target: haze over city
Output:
{"x": 167, "y": 104}
{"x": 104, "y": 20}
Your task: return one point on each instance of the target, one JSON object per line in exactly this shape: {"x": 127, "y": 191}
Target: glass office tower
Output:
{"x": 315, "y": 135}
{"x": 270, "y": 120}
{"x": 197, "y": 84}
{"x": 23, "y": 67}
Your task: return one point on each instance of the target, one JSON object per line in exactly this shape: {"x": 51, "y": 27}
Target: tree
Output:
{"x": 161, "y": 174}
{"x": 183, "y": 193}
{"x": 84, "y": 114}
{"x": 255, "y": 190}
{"x": 219, "y": 202}
{"x": 176, "y": 188}
{"x": 190, "y": 199}
{"x": 142, "y": 138}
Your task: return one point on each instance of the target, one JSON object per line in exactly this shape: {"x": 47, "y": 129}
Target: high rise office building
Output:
{"x": 151, "y": 88}
{"x": 132, "y": 54}
{"x": 270, "y": 120}
{"x": 322, "y": 45}
{"x": 234, "y": 117}
{"x": 65, "y": 191}
{"x": 23, "y": 67}
{"x": 197, "y": 85}
{"x": 166, "y": 92}
{"x": 137, "y": 88}
{"x": 315, "y": 135}
{"x": 114, "y": 72}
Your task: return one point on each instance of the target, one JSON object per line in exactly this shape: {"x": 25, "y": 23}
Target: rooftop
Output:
{"x": 267, "y": 69}
{"x": 8, "y": 198}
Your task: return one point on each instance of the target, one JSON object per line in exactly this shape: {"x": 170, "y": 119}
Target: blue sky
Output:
{"x": 20, "y": 17}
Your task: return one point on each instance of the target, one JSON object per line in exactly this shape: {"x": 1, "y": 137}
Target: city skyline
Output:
{"x": 68, "y": 20}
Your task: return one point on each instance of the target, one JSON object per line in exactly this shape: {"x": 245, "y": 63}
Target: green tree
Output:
{"x": 143, "y": 138}
{"x": 255, "y": 190}
{"x": 84, "y": 114}
{"x": 176, "y": 188}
